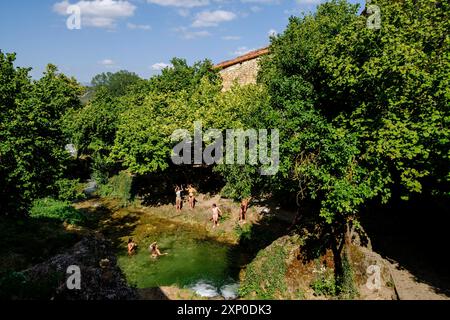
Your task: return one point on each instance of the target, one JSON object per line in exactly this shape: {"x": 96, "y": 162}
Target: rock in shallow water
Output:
{"x": 230, "y": 291}
{"x": 206, "y": 290}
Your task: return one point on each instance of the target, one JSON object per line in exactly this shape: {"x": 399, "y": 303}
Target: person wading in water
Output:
{"x": 132, "y": 246}
{"x": 154, "y": 251}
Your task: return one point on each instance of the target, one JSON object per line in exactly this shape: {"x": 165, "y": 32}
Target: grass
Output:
{"x": 324, "y": 283}
{"x": 265, "y": 276}
{"x": 57, "y": 210}
{"x": 118, "y": 187}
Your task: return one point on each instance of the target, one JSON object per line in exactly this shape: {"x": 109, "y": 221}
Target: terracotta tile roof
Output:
{"x": 249, "y": 56}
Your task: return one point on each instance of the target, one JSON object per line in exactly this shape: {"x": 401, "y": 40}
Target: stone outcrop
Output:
{"x": 101, "y": 278}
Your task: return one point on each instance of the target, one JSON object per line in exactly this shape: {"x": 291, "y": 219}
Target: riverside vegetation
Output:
{"x": 364, "y": 126}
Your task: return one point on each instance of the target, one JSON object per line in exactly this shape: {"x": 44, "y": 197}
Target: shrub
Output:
{"x": 347, "y": 288}
{"x": 12, "y": 284}
{"x": 324, "y": 284}
{"x": 244, "y": 232}
{"x": 70, "y": 190}
{"x": 52, "y": 209}
{"x": 118, "y": 187}
{"x": 16, "y": 285}
{"x": 265, "y": 275}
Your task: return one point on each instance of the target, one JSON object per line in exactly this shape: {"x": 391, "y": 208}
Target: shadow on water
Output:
{"x": 414, "y": 234}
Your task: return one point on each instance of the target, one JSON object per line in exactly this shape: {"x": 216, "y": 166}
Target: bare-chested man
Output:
{"x": 243, "y": 209}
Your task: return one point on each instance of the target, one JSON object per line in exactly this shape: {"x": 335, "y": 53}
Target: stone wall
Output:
{"x": 243, "y": 73}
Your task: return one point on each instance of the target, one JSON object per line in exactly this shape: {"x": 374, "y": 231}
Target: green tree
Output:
{"x": 364, "y": 112}
{"x": 32, "y": 154}
{"x": 117, "y": 84}
{"x": 180, "y": 76}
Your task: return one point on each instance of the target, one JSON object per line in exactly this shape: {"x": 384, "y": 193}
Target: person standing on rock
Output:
{"x": 217, "y": 213}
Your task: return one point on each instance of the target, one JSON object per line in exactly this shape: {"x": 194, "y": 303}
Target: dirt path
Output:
{"x": 409, "y": 288}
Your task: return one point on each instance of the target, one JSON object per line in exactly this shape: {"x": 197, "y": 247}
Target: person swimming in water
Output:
{"x": 154, "y": 250}
{"x": 217, "y": 213}
{"x": 132, "y": 246}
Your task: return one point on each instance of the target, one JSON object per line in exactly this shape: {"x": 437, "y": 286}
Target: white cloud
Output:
{"x": 242, "y": 51}
{"x": 255, "y": 9}
{"x": 107, "y": 63}
{"x": 98, "y": 13}
{"x": 133, "y": 26}
{"x": 184, "y": 12}
{"x": 160, "y": 66}
{"x": 272, "y": 33}
{"x": 213, "y": 18}
{"x": 189, "y": 34}
{"x": 231, "y": 38}
{"x": 180, "y": 3}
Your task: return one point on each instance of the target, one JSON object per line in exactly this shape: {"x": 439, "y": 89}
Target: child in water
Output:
{"x": 132, "y": 246}
{"x": 154, "y": 251}
{"x": 217, "y": 213}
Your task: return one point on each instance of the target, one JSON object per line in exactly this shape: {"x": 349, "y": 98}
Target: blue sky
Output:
{"x": 139, "y": 35}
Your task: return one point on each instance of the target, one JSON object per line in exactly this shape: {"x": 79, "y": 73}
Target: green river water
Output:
{"x": 194, "y": 259}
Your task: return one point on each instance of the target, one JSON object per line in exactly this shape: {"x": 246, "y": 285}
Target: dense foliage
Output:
{"x": 32, "y": 154}
{"x": 363, "y": 115}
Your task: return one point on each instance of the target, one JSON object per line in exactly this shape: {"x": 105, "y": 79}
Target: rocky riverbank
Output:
{"x": 100, "y": 277}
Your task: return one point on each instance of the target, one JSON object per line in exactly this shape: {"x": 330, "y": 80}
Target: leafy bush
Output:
{"x": 324, "y": 284}
{"x": 11, "y": 284}
{"x": 118, "y": 187}
{"x": 265, "y": 275}
{"x": 49, "y": 208}
{"x": 70, "y": 190}
{"x": 16, "y": 285}
{"x": 244, "y": 232}
{"x": 347, "y": 288}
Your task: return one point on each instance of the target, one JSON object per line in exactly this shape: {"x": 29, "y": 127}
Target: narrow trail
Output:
{"x": 408, "y": 287}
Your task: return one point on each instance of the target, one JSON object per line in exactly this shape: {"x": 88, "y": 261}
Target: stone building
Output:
{"x": 243, "y": 69}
